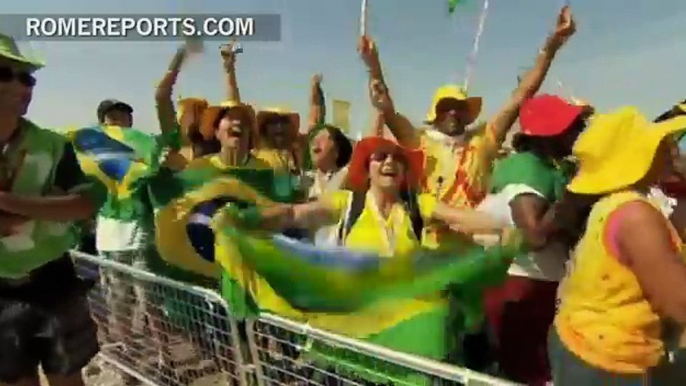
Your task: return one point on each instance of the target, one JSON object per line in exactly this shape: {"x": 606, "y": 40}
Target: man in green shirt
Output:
{"x": 44, "y": 315}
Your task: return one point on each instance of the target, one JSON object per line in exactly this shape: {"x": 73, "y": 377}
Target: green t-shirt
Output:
{"x": 46, "y": 164}
{"x": 136, "y": 206}
{"x": 528, "y": 169}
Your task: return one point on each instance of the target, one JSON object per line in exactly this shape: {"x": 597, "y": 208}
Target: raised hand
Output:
{"x": 317, "y": 79}
{"x": 368, "y": 51}
{"x": 565, "y": 26}
{"x": 378, "y": 94}
{"x": 193, "y": 46}
{"x": 228, "y": 53}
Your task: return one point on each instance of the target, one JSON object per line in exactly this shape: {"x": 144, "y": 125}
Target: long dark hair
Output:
{"x": 343, "y": 145}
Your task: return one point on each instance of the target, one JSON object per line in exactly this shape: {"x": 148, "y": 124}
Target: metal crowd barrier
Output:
{"x": 164, "y": 332}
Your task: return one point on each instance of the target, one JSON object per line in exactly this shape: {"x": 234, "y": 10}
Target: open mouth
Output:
{"x": 388, "y": 173}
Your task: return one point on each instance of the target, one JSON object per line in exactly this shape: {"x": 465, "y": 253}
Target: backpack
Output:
{"x": 356, "y": 206}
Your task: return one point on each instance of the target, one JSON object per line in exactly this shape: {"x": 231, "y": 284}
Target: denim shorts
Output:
{"x": 46, "y": 322}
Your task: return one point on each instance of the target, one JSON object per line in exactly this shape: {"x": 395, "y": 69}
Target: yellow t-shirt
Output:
{"x": 279, "y": 160}
{"x": 215, "y": 161}
{"x": 457, "y": 175}
{"x": 604, "y": 317}
{"x": 391, "y": 236}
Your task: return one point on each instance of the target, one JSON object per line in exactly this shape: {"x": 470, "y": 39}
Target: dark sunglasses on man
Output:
{"x": 8, "y": 74}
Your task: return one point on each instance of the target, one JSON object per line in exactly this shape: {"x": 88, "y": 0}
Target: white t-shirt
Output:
{"x": 114, "y": 235}
{"x": 546, "y": 264}
{"x": 328, "y": 235}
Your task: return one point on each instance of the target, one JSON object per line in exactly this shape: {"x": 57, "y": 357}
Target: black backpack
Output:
{"x": 357, "y": 205}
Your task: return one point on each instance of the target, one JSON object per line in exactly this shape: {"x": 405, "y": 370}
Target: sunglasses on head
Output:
{"x": 8, "y": 74}
{"x": 382, "y": 155}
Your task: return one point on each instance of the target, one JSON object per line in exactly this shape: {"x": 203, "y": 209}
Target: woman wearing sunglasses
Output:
{"x": 382, "y": 214}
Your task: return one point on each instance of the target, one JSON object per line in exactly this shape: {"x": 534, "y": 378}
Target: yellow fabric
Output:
{"x": 604, "y": 317}
{"x": 451, "y": 91}
{"x": 170, "y": 221}
{"x": 279, "y": 160}
{"x": 617, "y": 150}
{"x": 458, "y": 176}
{"x": 341, "y": 115}
{"x": 266, "y": 112}
{"x": 359, "y": 324}
{"x": 368, "y": 235}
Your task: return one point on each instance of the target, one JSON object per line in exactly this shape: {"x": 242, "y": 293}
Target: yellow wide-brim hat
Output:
{"x": 172, "y": 239}
{"x": 458, "y": 93}
{"x": 186, "y": 104}
{"x": 616, "y": 150}
{"x": 264, "y": 114}
{"x": 210, "y": 115}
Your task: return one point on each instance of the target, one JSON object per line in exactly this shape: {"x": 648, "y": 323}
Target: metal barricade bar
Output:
{"x": 441, "y": 370}
{"x": 248, "y": 355}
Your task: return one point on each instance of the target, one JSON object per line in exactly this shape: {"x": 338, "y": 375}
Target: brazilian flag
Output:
{"x": 400, "y": 303}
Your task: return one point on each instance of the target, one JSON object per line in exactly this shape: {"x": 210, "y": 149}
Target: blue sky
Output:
{"x": 625, "y": 52}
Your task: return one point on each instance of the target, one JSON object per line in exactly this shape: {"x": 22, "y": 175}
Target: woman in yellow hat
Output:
{"x": 278, "y": 139}
{"x": 627, "y": 278}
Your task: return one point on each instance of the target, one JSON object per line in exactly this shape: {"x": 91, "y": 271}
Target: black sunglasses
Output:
{"x": 7, "y": 75}
{"x": 381, "y": 155}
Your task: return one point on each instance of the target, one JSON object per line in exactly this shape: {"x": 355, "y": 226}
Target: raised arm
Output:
{"x": 531, "y": 82}
{"x": 400, "y": 127}
{"x": 166, "y": 113}
{"x": 317, "y": 103}
{"x": 378, "y": 126}
{"x": 229, "y": 54}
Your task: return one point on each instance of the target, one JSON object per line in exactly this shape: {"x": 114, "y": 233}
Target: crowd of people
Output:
{"x": 597, "y": 197}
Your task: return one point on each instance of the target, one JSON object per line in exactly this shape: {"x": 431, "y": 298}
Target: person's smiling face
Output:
{"x": 387, "y": 168}
{"x": 16, "y": 87}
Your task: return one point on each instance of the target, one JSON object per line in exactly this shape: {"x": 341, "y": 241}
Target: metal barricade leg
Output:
{"x": 185, "y": 328}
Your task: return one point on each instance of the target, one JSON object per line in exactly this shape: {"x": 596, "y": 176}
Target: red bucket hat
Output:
{"x": 358, "y": 170}
{"x": 547, "y": 116}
